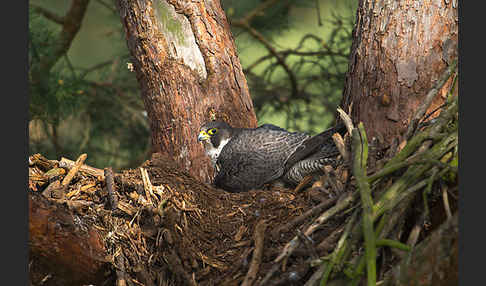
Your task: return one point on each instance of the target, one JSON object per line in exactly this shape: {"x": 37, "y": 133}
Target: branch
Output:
{"x": 48, "y": 14}
{"x": 325, "y": 270}
{"x": 300, "y": 219}
{"x": 77, "y": 165}
{"x": 268, "y": 46}
{"x": 286, "y": 53}
{"x": 70, "y": 26}
{"x": 255, "y": 12}
{"x": 66, "y": 163}
{"x": 110, "y": 187}
{"x": 259, "y": 237}
{"x": 95, "y": 67}
{"x": 318, "y": 10}
{"x": 245, "y": 24}
{"x": 325, "y": 216}
{"x": 412, "y": 175}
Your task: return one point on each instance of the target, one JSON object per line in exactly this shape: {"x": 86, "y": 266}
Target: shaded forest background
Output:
{"x": 294, "y": 56}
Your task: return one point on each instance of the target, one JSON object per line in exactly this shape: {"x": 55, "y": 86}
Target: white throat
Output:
{"x": 213, "y": 153}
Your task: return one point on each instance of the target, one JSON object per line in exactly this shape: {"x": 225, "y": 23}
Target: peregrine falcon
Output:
{"x": 248, "y": 158}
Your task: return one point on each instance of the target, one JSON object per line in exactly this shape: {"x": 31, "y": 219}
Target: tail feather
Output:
{"x": 321, "y": 143}
{"x": 307, "y": 167}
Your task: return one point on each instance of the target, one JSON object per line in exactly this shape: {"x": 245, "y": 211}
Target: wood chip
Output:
{"x": 88, "y": 188}
{"x": 339, "y": 142}
{"x": 73, "y": 193}
{"x": 241, "y": 231}
{"x": 127, "y": 208}
{"x": 68, "y": 164}
{"x": 52, "y": 173}
{"x": 74, "y": 169}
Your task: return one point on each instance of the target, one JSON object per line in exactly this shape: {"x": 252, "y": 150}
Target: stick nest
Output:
{"x": 159, "y": 226}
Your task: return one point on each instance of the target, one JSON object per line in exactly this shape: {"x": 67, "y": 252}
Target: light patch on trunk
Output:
{"x": 180, "y": 38}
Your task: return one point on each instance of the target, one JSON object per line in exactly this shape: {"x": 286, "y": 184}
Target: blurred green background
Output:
{"x": 93, "y": 104}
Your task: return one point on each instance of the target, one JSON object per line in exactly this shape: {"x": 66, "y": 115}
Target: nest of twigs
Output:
{"x": 156, "y": 225}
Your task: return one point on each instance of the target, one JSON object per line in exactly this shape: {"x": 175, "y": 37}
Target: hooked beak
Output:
{"x": 202, "y": 136}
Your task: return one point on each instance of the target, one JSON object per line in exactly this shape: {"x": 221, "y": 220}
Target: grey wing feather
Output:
{"x": 321, "y": 145}
{"x": 255, "y": 157}
{"x": 272, "y": 127}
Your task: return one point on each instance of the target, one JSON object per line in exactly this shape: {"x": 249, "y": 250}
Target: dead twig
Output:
{"x": 98, "y": 173}
{"x": 415, "y": 233}
{"x": 308, "y": 243}
{"x": 110, "y": 187}
{"x": 300, "y": 219}
{"x": 303, "y": 183}
{"x": 51, "y": 188}
{"x": 259, "y": 237}
{"x": 294, "y": 243}
{"x": 346, "y": 120}
{"x": 256, "y": 11}
{"x": 325, "y": 270}
{"x": 269, "y": 275}
{"x": 147, "y": 186}
{"x": 445, "y": 199}
{"x": 244, "y": 23}
{"x": 327, "y": 244}
{"x": 42, "y": 162}
{"x": 74, "y": 170}
{"x": 336, "y": 187}
{"x": 127, "y": 208}
{"x": 339, "y": 142}
{"x": 120, "y": 271}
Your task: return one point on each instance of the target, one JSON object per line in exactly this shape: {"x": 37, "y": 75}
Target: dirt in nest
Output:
{"x": 174, "y": 230}
{"x": 214, "y": 229}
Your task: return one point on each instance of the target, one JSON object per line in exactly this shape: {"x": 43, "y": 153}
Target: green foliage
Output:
{"x": 40, "y": 36}
{"x": 57, "y": 98}
{"x": 97, "y": 111}
{"x": 304, "y": 95}
{"x": 91, "y": 104}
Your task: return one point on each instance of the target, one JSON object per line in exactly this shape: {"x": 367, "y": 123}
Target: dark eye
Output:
{"x": 212, "y": 131}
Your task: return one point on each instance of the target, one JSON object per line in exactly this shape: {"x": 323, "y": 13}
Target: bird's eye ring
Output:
{"x": 212, "y": 131}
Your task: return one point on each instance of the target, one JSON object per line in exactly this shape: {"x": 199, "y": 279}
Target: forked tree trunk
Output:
{"x": 188, "y": 69}
{"x": 400, "y": 48}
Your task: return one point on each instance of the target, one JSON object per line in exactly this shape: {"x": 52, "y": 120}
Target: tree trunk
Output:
{"x": 64, "y": 244}
{"x": 400, "y": 48}
{"x": 433, "y": 262}
{"x": 186, "y": 64}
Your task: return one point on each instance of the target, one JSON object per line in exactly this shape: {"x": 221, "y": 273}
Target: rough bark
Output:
{"x": 433, "y": 262}
{"x": 187, "y": 66}
{"x": 400, "y": 48}
{"x": 65, "y": 244}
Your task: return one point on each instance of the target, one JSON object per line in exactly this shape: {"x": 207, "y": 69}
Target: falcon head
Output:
{"x": 215, "y": 135}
